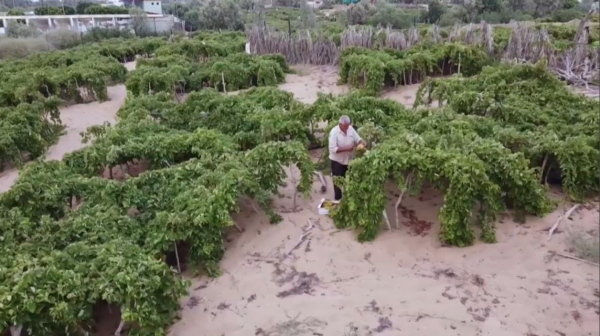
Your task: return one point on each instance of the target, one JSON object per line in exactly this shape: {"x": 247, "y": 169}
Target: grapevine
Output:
{"x": 74, "y": 237}
{"x": 373, "y": 70}
{"x": 121, "y": 230}
{"x": 539, "y": 117}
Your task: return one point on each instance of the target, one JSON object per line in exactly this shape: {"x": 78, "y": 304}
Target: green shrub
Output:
{"x": 62, "y": 38}
{"x": 448, "y": 20}
{"x": 566, "y": 15}
{"x": 15, "y": 12}
{"x": 21, "y": 47}
{"x": 388, "y": 15}
{"x": 53, "y": 10}
{"x": 18, "y": 30}
{"x": 97, "y": 9}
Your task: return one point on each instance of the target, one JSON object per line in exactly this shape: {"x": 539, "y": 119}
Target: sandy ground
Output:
{"x": 311, "y": 80}
{"x": 403, "y": 283}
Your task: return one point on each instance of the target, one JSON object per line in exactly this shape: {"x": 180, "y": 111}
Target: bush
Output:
{"x": 288, "y": 3}
{"x": 53, "y": 10}
{"x": 490, "y": 17}
{"x": 98, "y": 34}
{"x": 388, "y": 15}
{"x": 97, "y": 9}
{"x": 221, "y": 14}
{"x": 62, "y": 38}
{"x": 449, "y": 19}
{"x": 21, "y": 47}
{"x": 17, "y": 30}
{"x": 16, "y": 12}
{"x": 435, "y": 12}
{"x": 359, "y": 13}
{"x": 82, "y": 6}
{"x": 503, "y": 16}
{"x": 566, "y": 15}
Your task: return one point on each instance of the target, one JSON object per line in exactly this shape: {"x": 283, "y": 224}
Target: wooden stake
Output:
{"x": 177, "y": 257}
{"x": 295, "y": 189}
{"x": 543, "y": 167}
{"x": 387, "y": 221}
{"x": 408, "y": 181}
{"x": 548, "y": 173}
{"x": 223, "y": 81}
{"x": 566, "y": 215}
{"x": 121, "y": 325}
{"x": 323, "y": 182}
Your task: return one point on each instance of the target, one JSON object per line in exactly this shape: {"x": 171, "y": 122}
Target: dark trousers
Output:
{"x": 338, "y": 169}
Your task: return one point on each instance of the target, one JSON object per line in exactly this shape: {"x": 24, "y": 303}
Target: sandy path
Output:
{"x": 311, "y": 80}
{"x": 400, "y": 284}
{"x": 77, "y": 118}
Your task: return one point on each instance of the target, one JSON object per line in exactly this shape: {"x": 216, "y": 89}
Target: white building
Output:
{"x": 152, "y": 6}
{"x": 117, "y": 3}
{"x": 148, "y": 6}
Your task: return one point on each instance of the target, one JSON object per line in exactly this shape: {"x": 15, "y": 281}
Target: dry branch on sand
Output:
{"x": 566, "y": 215}
{"x": 305, "y": 233}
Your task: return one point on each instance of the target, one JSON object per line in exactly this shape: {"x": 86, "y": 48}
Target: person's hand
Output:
{"x": 348, "y": 148}
{"x": 362, "y": 142}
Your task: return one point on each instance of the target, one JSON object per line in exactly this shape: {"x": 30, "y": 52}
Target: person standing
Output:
{"x": 343, "y": 139}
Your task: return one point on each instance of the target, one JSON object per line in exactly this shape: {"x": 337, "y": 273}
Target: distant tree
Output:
{"x": 177, "y": 9}
{"x": 389, "y": 15}
{"x": 15, "y": 12}
{"x": 18, "y": 30}
{"x": 491, "y": 5}
{"x": 192, "y": 19}
{"x": 470, "y": 9}
{"x": 54, "y": 10}
{"x": 139, "y": 21}
{"x": 307, "y": 16}
{"x": 359, "y": 13}
{"x": 82, "y": 6}
{"x": 449, "y": 19}
{"x": 97, "y": 9}
{"x": 247, "y": 4}
{"x": 435, "y": 11}
{"x": 568, "y": 4}
{"x": 517, "y": 5}
{"x": 288, "y": 3}
{"x": 221, "y": 14}
{"x": 566, "y": 15}
{"x": 544, "y": 7}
